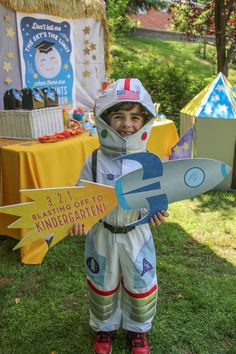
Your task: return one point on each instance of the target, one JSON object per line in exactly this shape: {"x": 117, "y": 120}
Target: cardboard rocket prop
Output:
{"x": 156, "y": 184}
{"x": 53, "y": 211}
{"x": 212, "y": 116}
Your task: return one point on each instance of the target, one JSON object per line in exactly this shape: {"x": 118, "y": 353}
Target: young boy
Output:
{"x": 120, "y": 260}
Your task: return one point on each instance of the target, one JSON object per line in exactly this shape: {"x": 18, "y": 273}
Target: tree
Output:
{"x": 134, "y": 5}
{"x": 117, "y": 14}
{"x": 118, "y": 21}
{"x": 225, "y": 32}
{"x": 216, "y": 17}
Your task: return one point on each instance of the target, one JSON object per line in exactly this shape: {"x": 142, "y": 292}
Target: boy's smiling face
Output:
{"x": 126, "y": 122}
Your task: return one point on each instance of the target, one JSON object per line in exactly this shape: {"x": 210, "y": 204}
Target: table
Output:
{"x": 30, "y": 164}
{"x": 163, "y": 137}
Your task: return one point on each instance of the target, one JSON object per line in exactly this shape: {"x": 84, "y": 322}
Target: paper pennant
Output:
{"x": 183, "y": 148}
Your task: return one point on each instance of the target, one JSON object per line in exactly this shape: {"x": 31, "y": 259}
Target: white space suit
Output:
{"x": 120, "y": 267}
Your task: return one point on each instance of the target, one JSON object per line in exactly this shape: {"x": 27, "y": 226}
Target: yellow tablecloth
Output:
{"x": 163, "y": 136}
{"x": 30, "y": 164}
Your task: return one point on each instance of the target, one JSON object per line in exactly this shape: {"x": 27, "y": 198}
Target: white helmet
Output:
{"x": 123, "y": 90}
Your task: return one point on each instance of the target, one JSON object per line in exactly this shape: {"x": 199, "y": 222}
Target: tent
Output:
{"x": 54, "y": 43}
{"x": 212, "y": 114}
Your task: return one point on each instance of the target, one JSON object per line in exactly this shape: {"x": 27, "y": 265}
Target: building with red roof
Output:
{"x": 152, "y": 19}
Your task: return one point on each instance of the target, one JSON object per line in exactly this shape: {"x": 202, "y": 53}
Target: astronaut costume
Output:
{"x": 120, "y": 260}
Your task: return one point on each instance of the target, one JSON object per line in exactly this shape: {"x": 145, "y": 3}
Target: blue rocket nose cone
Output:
{"x": 225, "y": 169}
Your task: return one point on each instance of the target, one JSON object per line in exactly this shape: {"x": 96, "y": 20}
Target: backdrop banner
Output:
{"x": 64, "y": 54}
{"x": 46, "y": 54}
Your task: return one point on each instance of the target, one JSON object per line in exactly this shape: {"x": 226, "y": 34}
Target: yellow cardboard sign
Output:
{"x": 53, "y": 211}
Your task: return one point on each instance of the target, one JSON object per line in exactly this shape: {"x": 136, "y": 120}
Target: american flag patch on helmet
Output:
{"x": 127, "y": 95}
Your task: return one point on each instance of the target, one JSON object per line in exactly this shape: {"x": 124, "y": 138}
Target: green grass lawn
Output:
{"x": 44, "y": 308}
{"x": 181, "y": 54}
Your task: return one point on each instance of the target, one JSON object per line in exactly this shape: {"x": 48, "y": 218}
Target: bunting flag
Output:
{"x": 183, "y": 148}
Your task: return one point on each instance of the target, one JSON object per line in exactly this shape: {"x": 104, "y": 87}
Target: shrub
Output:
{"x": 167, "y": 84}
{"x": 210, "y": 52}
{"x": 119, "y": 23}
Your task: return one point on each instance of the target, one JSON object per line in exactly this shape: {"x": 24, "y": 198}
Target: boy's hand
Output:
{"x": 78, "y": 230}
{"x": 159, "y": 218}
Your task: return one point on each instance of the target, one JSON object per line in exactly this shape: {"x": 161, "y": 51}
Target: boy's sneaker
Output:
{"x": 138, "y": 343}
{"x": 102, "y": 343}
